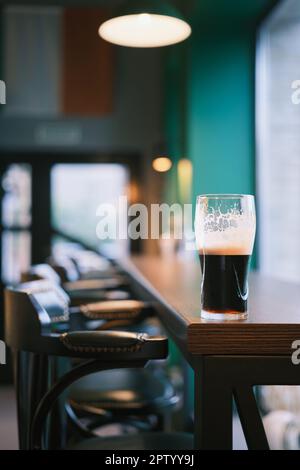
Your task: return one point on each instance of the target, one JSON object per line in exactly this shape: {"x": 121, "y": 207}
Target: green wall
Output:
{"x": 220, "y": 131}
{"x": 210, "y": 94}
{"x": 220, "y": 88}
{"x": 175, "y": 112}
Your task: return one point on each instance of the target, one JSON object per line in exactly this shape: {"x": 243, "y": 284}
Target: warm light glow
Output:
{"x": 145, "y": 30}
{"x": 133, "y": 192}
{"x": 161, "y": 164}
{"x": 185, "y": 176}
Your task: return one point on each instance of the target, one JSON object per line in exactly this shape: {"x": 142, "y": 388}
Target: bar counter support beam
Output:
{"x": 213, "y": 409}
{"x": 218, "y": 379}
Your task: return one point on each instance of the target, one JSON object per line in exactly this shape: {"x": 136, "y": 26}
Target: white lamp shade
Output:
{"x": 145, "y": 30}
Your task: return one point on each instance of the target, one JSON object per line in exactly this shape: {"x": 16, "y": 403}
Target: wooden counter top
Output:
{"x": 274, "y": 310}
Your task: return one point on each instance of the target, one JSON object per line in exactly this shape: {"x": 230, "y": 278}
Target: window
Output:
{"x": 278, "y": 172}
{"x": 16, "y": 221}
{"x": 76, "y": 192}
{"x": 278, "y": 158}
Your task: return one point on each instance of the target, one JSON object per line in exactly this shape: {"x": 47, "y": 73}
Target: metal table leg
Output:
{"x": 213, "y": 407}
{"x": 218, "y": 379}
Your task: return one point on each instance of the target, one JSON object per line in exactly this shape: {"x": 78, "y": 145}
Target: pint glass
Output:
{"x": 225, "y": 231}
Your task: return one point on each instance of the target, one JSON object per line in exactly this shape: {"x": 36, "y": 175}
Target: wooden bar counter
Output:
{"x": 228, "y": 357}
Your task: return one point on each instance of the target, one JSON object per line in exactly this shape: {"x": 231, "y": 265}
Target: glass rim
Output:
{"x": 224, "y": 196}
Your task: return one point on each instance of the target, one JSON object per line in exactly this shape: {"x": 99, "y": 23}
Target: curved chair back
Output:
{"x": 64, "y": 267}
{"x": 40, "y": 271}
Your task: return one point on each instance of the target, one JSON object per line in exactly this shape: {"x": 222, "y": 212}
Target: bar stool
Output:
{"x": 88, "y": 264}
{"x": 128, "y": 396}
{"x": 110, "y": 308}
{"x": 81, "y": 290}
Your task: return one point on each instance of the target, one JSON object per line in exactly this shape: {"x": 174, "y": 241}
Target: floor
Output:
{"x": 8, "y": 427}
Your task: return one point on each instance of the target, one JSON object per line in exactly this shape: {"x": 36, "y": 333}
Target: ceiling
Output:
{"x": 109, "y": 3}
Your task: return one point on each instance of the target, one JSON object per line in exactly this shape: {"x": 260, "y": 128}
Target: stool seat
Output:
{"x": 130, "y": 390}
{"x": 141, "y": 441}
{"x": 81, "y": 296}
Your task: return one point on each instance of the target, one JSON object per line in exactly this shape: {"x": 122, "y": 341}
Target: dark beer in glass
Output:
{"x": 225, "y": 231}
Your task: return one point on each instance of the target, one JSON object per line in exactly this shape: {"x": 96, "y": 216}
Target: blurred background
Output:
{"x": 85, "y": 121}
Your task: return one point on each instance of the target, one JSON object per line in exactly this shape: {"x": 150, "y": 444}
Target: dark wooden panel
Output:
{"x": 87, "y": 64}
{"x": 274, "y": 313}
{"x": 243, "y": 338}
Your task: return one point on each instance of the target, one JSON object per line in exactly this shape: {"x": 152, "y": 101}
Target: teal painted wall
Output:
{"x": 221, "y": 94}
{"x": 220, "y": 130}
{"x": 175, "y": 102}
{"x": 210, "y": 96}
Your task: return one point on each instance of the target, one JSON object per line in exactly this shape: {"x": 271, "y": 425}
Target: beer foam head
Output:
{"x": 230, "y": 233}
